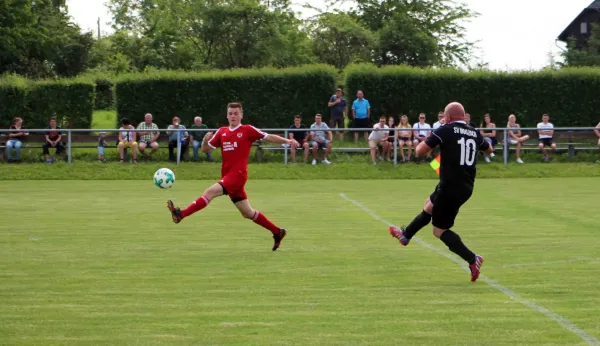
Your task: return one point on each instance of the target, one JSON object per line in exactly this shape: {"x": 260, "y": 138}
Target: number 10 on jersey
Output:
{"x": 468, "y": 151}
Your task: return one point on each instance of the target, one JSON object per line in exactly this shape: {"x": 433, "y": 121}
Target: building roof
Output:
{"x": 594, "y": 6}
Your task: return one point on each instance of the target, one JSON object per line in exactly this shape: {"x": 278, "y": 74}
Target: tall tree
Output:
{"x": 589, "y": 55}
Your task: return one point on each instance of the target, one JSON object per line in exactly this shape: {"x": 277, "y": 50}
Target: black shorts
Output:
{"x": 361, "y": 123}
{"x": 406, "y": 139}
{"x": 546, "y": 141}
{"x": 446, "y": 204}
{"x": 336, "y": 121}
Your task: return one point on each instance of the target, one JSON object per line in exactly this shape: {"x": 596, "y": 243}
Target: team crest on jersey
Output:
{"x": 239, "y": 135}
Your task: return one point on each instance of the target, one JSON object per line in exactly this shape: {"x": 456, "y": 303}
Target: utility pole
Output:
{"x": 98, "y": 27}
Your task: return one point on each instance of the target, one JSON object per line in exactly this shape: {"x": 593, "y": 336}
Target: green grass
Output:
{"x": 100, "y": 262}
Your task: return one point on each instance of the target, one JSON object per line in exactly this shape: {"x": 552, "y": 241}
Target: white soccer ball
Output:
{"x": 164, "y": 178}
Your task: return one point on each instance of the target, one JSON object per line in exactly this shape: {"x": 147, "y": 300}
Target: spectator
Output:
{"x": 421, "y": 130}
{"x": 440, "y": 121}
{"x": 378, "y": 139}
{"x": 15, "y": 140}
{"x": 338, "y": 106}
{"x": 300, "y": 136}
{"x": 546, "y": 133}
{"x": 127, "y": 140}
{"x": 53, "y": 140}
{"x": 515, "y": 137}
{"x": 196, "y": 138}
{"x": 361, "y": 114}
{"x": 597, "y": 131}
{"x": 468, "y": 120}
{"x": 391, "y": 138}
{"x": 404, "y": 137}
{"x": 149, "y": 137}
{"x": 488, "y": 135}
{"x": 173, "y": 135}
{"x": 101, "y": 145}
{"x": 317, "y": 134}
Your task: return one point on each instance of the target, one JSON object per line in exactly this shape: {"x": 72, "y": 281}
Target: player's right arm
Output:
{"x": 211, "y": 142}
{"x": 430, "y": 142}
{"x": 484, "y": 145}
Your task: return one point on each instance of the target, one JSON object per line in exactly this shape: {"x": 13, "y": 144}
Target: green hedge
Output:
{"x": 569, "y": 96}
{"x": 71, "y": 101}
{"x": 105, "y": 98}
{"x": 270, "y": 97}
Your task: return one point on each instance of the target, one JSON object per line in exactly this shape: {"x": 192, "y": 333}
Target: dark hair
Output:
{"x": 318, "y": 115}
{"x": 125, "y": 121}
{"x": 53, "y": 118}
{"x": 297, "y": 117}
{"x": 234, "y": 105}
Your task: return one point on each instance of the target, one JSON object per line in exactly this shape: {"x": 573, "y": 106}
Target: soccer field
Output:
{"x": 100, "y": 262}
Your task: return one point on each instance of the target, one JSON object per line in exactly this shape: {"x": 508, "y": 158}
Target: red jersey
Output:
{"x": 235, "y": 146}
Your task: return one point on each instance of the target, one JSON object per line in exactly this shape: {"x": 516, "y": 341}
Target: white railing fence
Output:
{"x": 286, "y": 132}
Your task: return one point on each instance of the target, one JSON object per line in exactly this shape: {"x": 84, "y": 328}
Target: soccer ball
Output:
{"x": 164, "y": 178}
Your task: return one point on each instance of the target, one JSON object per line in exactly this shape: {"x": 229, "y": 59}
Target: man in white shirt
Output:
{"x": 545, "y": 132}
{"x": 440, "y": 121}
{"x": 379, "y": 139}
{"x": 321, "y": 139}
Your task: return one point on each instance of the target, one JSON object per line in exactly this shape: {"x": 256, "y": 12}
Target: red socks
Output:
{"x": 196, "y": 206}
{"x": 260, "y": 219}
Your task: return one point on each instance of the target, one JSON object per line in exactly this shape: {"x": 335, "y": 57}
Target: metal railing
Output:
{"x": 286, "y": 132}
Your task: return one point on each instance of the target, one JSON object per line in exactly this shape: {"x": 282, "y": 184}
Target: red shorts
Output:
{"x": 233, "y": 185}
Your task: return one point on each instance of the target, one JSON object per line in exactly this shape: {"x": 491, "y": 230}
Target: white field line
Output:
{"x": 590, "y": 339}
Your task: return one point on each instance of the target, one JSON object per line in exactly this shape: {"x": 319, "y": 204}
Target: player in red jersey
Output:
{"x": 235, "y": 141}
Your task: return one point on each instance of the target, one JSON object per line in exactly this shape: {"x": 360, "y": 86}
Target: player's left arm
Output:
{"x": 430, "y": 142}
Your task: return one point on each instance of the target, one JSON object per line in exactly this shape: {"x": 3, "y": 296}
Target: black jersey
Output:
{"x": 459, "y": 144}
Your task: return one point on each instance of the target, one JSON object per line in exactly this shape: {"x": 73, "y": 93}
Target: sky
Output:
{"x": 510, "y": 34}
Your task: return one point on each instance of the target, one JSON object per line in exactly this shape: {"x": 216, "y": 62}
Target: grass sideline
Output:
{"x": 278, "y": 171}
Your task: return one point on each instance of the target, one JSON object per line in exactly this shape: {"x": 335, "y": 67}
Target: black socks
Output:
{"x": 415, "y": 225}
{"x": 455, "y": 244}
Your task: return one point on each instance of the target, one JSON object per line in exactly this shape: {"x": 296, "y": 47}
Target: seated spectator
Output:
{"x": 196, "y": 138}
{"x": 183, "y": 136}
{"x": 421, "y": 130}
{"x": 440, "y": 121}
{"x": 53, "y": 140}
{"x": 468, "y": 120}
{"x": 317, "y": 135}
{"x": 597, "y": 131}
{"x": 546, "y": 133}
{"x": 378, "y": 139}
{"x": 488, "y": 135}
{"x": 149, "y": 137}
{"x": 391, "y": 139}
{"x": 404, "y": 138}
{"x": 300, "y": 136}
{"x": 101, "y": 145}
{"x": 15, "y": 140}
{"x": 514, "y": 136}
{"x": 127, "y": 140}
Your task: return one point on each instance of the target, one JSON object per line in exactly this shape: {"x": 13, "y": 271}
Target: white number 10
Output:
{"x": 468, "y": 151}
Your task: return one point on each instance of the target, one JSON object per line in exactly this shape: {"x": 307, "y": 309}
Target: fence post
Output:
{"x": 178, "y": 146}
{"x": 505, "y": 151}
{"x": 395, "y": 147}
{"x": 69, "y": 153}
{"x": 285, "y": 152}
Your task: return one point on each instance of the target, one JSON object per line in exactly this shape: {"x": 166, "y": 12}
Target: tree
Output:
{"x": 589, "y": 55}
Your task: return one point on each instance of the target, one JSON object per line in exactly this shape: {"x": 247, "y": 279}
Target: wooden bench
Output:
{"x": 566, "y": 141}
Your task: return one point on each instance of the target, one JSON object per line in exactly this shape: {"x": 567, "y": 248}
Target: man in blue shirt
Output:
{"x": 361, "y": 113}
{"x": 337, "y": 104}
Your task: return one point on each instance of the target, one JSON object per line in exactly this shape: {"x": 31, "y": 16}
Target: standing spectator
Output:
{"x": 15, "y": 140}
{"x": 378, "y": 139}
{"x": 404, "y": 138}
{"x": 468, "y": 120}
{"x": 300, "y": 136}
{"x": 440, "y": 121}
{"x": 101, "y": 145}
{"x": 597, "y": 131}
{"x": 173, "y": 139}
{"x": 127, "y": 140}
{"x": 546, "y": 133}
{"x": 488, "y": 135}
{"x": 149, "y": 137}
{"x": 515, "y": 137}
{"x": 53, "y": 140}
{"x": 317, "y": 134}
{"x": 361, "y": 114}
{"x": 338, "y": 108}
{"x": 196, "y": 138}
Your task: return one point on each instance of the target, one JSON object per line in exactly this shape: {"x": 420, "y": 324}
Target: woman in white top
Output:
{"x": 514, "y": 136}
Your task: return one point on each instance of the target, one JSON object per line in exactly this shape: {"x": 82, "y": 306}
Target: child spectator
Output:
{"x": 101, "y": 145}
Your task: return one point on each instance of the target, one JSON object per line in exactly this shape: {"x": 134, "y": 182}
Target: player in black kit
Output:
{"x": 459, "y": 144}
